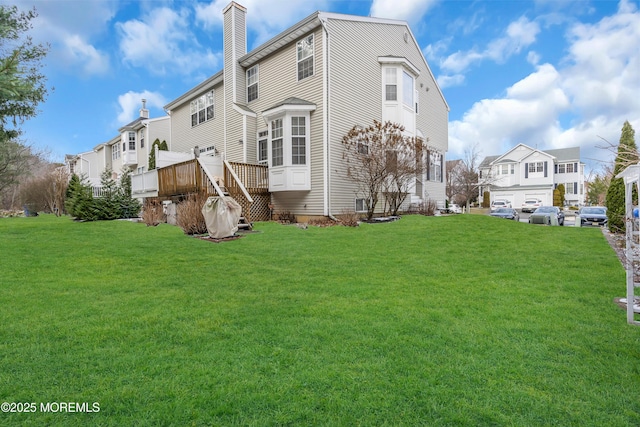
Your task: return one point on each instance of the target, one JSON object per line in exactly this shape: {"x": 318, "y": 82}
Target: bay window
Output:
{"x": 289, "y": 146}
{"x": 263, "y": 147}
{"x": 132, "y": 141}
{"x": 277, "y": 154}
{"x": 407, "y": 89}
{"x": 399, "y": 94}
{"x": 390, "y": 85}
{"x": 298, "y": 141}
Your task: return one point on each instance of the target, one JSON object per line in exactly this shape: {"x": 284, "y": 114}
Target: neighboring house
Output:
{"x": 280, "y": 111}
{"x": 128, "y": 150}
{"x": 131, "y": 147}
{"x": 528, "y": 173}
{"x": 86, "y": 165}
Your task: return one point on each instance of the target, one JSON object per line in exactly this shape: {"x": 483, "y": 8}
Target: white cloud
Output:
{"x": 163, "y": 43}
{"x": 586, "y": 98}
{"x": 410, "y": 11}
{"x": 533, "y": 57}
{"x": 72, "y": 29}
{"x": 129, "y": 105}
{"x": 445, "y": 81}
{"x": 518, "y": 35}
{"x": 78, "y": 51}
{"x": 527, "y": 114}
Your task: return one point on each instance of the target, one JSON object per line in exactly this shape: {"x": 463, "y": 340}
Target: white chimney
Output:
{"x": 235, "y": 37}
{"x": 144, "y": 113}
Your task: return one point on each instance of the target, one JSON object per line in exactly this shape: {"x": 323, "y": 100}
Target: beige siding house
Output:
{"x": 288, "y": 103}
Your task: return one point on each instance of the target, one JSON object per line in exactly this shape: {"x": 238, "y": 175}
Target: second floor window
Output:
{"x": 202, "y": 109}
{"x": 132, "y": 141}
{"x": 142, "y": 138}
{"x": 390, "y": 84}
{"x": 536, "y": 167}
{"x": 115, "y": 151}
{"x": 305, "y": 57}
{"x": 252, "y": 83}
{"x": 407, "y": 89}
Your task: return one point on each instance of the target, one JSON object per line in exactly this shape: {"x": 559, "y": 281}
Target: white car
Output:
{"x": 453, "y": 208}
{"x": 530, "y": 205}
{"x": 500, "y": 204}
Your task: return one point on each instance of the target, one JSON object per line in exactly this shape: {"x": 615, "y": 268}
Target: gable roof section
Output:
{"x": 293, "y": 33}
{"x": 324, "y": 16}
{"x": 133, "y": 125}
{"x": 565, "y": 154}
{"x": 559, "y": 155}
{"x": 188, "y": 96}
{"x": 289, "y": 104}
{"x": 486, "y": 163}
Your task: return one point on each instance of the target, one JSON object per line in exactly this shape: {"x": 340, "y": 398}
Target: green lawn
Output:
{"x": 460, "y": 320}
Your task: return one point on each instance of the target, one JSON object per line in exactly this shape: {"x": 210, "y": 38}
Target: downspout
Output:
{"x": 325, "y": 119}
{"x": 146, "y": 137}
{"x": 170, "y": 128}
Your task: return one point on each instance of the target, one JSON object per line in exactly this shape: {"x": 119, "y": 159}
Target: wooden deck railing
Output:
{"x": 183, "y": 178}
{"x": 255, "y": 178}
{"x": 189, "y": 177}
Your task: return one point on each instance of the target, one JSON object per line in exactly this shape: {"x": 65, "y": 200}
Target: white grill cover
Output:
{"x": 221, "y": 214}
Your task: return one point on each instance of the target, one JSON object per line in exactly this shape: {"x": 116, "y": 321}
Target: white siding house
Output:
{"x": 128, "y": 150}
{"x": 527, "y": 173}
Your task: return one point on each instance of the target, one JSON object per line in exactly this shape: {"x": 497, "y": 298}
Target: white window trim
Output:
{"x": 364, "y": 205}
{"x": 208, "y": 100}
{"x": 262, "y": 136}
{"x": 256, "y": 82}
{"x": 287, "y": 139}
{"x": 312, "y": 56}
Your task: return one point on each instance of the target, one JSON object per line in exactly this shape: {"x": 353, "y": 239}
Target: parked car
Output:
{"x": 543, "y": 215}
{"x": 454, "y": 208}
{"x": 531, "y": 205}
{"x": 500, "y": 204}
{"x": 507, "y": 213}
{"x": 593, "y": 215}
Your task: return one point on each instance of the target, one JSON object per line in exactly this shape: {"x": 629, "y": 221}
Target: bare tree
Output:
{"x": 451, "y": 188}
{"x": 382, "y": 161}
{"x": 467, "y": 179}
{"x": 46, "y": 190}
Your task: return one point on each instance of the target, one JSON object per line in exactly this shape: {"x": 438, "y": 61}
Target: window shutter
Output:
{"x": 441, "y": 168}
{"x": 575, "y": 168}
{"x": 575, "y": 188}
{"x": 545, "y": 169}
{"x": 555, "y": 167}
{"x": 526, "y": 170}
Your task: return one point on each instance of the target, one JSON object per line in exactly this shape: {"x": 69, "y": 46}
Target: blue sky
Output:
{"x": 547, "y": 73}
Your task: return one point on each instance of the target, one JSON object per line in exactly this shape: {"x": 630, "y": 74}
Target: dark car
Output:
{"x": 593, "y": 215}
{"x": 507, "y": 213}
{"x": 543, "y": 215}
